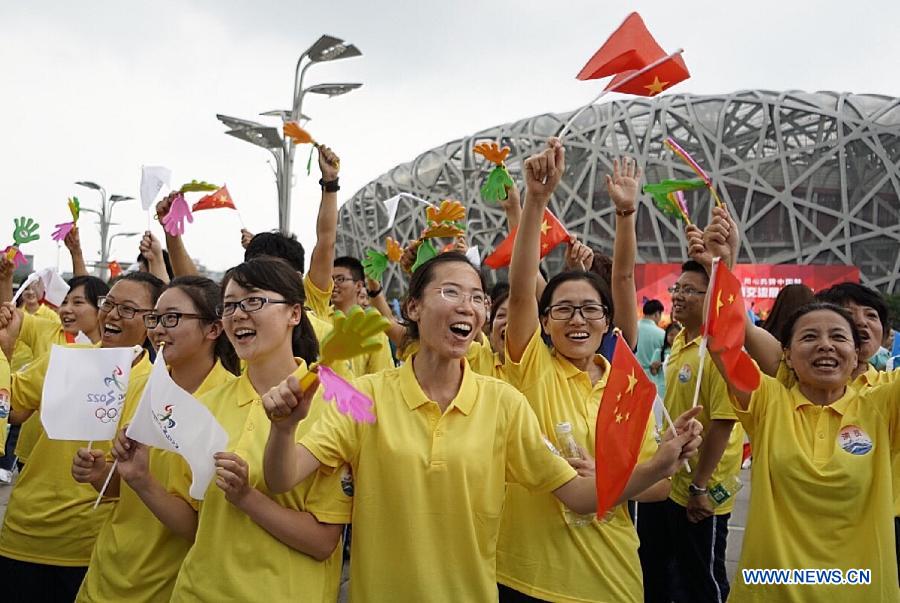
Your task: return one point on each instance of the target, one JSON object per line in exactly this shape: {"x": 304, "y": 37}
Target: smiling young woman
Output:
{"x": 822, "y": 477}
{"x": 541, "y": 551}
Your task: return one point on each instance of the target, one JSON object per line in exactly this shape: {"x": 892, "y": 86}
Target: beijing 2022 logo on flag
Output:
{"x": 110, "y": 400}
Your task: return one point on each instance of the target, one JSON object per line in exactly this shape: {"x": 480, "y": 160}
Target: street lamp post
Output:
{"x": 326, "y": 48}
{"x": 107, "y": 204}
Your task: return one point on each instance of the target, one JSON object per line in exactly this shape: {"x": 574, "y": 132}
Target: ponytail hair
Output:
{"x": 206, "y": 295}
{"x": 274, "y": 274}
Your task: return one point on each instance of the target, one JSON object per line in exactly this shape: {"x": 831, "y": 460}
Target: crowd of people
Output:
{"x": 462, "y": 489}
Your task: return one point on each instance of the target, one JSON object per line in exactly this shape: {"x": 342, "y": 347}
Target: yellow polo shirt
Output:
{"x": 253, "y": 564}
{"x": 681, "y": 381}
{"x": 481, "y": 358}
{"x": 50, "y": 519}
{"x": 539, "y": 553}
{"x": 39, "y": 334}
{"x": 822, "y": 492}
{"x": 365, "y": 364}
{"x": 429, "y": 486}
{"x": 136, "y": 557}
{"x": 871, "y": 378}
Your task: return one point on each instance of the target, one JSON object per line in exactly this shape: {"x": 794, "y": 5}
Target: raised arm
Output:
{"x": 623, "y": 190}
{"x": 6, "y": 278}
{"x": 543, "y": 171}
{"x": 151, "y": 251}
{"x": 73, "y": 244}
{"x": 321, "y": 262}
{"x": 182, "y": 264}
{"x": 396, "y": 332}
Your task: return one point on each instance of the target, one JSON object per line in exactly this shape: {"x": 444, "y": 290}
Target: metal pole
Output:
{"x": 104, "y": 233}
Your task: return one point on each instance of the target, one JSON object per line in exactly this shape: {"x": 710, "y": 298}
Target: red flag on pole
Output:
{"x": 220, "y": 198}
{"x": 552, "y": 234}
{"x": 114, "y": 269}
{"x": 725, "y": 323}
{"x": 621, "y": 423}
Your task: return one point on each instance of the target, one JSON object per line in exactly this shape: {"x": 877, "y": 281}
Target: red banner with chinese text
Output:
{"x": 760, "y": 283}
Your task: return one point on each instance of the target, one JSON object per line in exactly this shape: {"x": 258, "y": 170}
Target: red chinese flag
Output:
{"x": 621, "y": 424}
{"x": 552, "y": 234}
{"x": 629, "y": 48}
{"x": 653, "y": 81}
{"x": 220, "y": 198}
{"x": 114, "y": 269}
{"x": 725, "y": 323}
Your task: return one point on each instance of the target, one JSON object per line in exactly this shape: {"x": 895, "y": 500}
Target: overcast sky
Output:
{"x": 92, "y": 90}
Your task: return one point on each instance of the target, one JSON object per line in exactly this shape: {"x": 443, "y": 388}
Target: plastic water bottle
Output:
{"x": 4, "y": 403}
{"x": 568, "y": 448}
{"x": 725, "y": 490}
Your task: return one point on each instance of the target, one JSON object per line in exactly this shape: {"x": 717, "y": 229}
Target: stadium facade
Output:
{"x": 812, "y": 178}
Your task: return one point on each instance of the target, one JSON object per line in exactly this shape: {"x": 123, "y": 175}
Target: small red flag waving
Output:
{"x": 114, "y": 269}
{"x": 552, "y": 234}
{"x": 629, "y": 49}
{"x": 725, "y": 323}
{"x": 621, "y": 423}
{"x": 220, "y": 198}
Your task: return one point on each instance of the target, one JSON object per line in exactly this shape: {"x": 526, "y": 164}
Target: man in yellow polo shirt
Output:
{"x": 683, "y": 539}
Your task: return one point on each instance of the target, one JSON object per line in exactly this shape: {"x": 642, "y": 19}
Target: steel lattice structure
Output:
{"x": 813, "y": 178}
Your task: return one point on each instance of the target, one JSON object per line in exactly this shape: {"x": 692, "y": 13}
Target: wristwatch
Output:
{"x": 696, "y": 490}
{"x": 625, "y": 212}
{"x": 373, "y": 292}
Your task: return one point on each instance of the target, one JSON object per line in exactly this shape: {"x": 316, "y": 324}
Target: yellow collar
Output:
{"x": 414, "y": 396}
{"x": 245, "y": 393}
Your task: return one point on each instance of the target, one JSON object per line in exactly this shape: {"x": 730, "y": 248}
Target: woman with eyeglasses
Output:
{"x": 431, "y": 472}
{"x": 545, "y": 552}
{"x": 50, "y": 527}
{"x": 281, "y": 546}
{"x": 144, "y": 541}
{"x": 77, "y": 314}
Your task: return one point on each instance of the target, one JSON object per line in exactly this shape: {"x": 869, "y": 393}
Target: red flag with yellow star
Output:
{"x": 725, "y": 323}
{"x": 621, "y": 422}
{"x": 114, "y": 269}
{"x": 628, "y": 50}
{"x": 552, "y": 234}
{"x": 219, "y": 199}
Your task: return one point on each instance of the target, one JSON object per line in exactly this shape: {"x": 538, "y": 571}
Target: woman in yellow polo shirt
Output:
{"x": 430, "y": 473}
{"x": 50, "y": 527}
{"x": 822, "y": 480}
{"x": 544, "y": 552}
{"x": 252, "y": 543}
{"x": 137, "y": 556}
{"x": 77, "y": 314}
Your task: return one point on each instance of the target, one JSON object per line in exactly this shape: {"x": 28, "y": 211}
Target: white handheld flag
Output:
{"x": 152, "y": 179}
{"x": 84, "y": 391}
{"x": 55, "y": 288}
{"x": 170, "y": 418}
{"x": 474, "y": 256}
{"x": 390, "y": 206}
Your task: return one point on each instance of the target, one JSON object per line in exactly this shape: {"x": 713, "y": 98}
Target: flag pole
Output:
{"x": 106, "y": 483}
{"x": 668, "y": 417}
{"x": 703, "y": 342}
{"x": 603, "y": 92}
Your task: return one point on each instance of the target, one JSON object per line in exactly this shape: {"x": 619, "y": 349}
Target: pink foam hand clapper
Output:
{"x": 179, "y": 211}
{"x": 15, "y": 256}
{"x": 347, "y": 399}
{"x": 62, "y": 231}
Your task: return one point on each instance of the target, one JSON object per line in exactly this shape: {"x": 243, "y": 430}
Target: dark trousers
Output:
{"x": 682, "y": 561}
{"x": 26, "y": 582}
{"x": 9, "y": 453}
{"x": 509, "y": 595}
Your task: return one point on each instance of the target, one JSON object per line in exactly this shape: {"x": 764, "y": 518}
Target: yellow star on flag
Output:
{"x": 618, "y": 418}
{"x": 632, "y": 381}
{"x": 656, "y": 87}
{"x": 544, "y": 227}
{"x": 731, "y": 298}
{"x": 627, "y": 416}
{"x": 719, "y": 302}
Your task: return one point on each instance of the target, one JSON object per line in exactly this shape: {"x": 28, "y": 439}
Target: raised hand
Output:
{"x": 623, "y": 184}
{"x": 151, "y": 248}
{"x": 578, "y": 255}
{"x": 717, "y": 236}
{"x": 25, "y": 230}
{"x": 179, "y": 211}
{"x": 329, "y": 163}
{"x": 232, "y": 476}
{"x": 88, "y": 466}
{"x": 543, "y": 171}
{"x": 697, "y": 250}
{"x": 7, "y": 268}
{"x": 246, "y": 237}
{"x": 511, "y": 201}
{"x": 288, "y": 403}
{"x": 73, "y": 241}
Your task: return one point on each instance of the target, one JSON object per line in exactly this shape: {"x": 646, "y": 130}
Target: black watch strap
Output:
{"x": 329, "y": 187}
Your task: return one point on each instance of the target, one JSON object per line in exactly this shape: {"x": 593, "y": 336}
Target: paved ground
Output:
{"x": 735, "y": 530}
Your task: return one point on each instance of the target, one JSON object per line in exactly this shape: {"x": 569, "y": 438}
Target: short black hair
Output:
{"x": 277, "y": 245}
{"x": 500, "y": 289}
{"x": 353, "y": 265}
{"x": 652, "y": 307}
{"x": 843, "y": 293}
{"x": 94, "y": 288}
{"x": 695, "y": 266}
